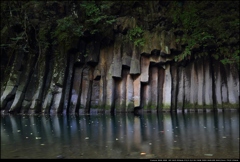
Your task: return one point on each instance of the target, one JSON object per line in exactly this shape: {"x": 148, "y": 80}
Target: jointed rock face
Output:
{"x": 93, "y": 76}
{"x": 119, "y": 78}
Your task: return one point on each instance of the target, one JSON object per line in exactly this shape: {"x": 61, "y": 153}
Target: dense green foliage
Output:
{"x": 136, "y": 36}
{"x": 203, "y": 28}
{"x": 54, "y": 21}
{"x": 208, "y": 28}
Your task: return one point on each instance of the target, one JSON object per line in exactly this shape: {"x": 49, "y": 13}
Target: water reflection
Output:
{"x": 157, "y": 136}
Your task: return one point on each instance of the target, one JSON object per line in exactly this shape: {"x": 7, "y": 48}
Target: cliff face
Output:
{"x": 119, "y": 78}
{"x": 94, "y": 76}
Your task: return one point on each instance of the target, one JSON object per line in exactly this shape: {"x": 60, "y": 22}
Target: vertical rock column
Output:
{"x": 217, "y": 81}
{"x": 54, "y": 97}
{"x": 224, "y": 89}
{"x": 23, "y": 83}
{"x": 59, "y": 79}
{"x": 13, "y": 81}
{"x": 208, "y": 86}
{"x": 48, "y": 99}
{"x": 117, "y": 72}
{"x": 102, "y": 81}
{"x": 123, "y": 90}
{"x": 95, "y": 96}
{"x": 58, "y": 93}
{"x": 129, "y": 93}
{"x": 145, "y": 62}
{"x": 136, "y": 91}
{"x": 117, "y": 58}
{"x": 232, "y": 86}
{"x": 110, "y": 84}
{"x": 106, "y": 90}
{"x": 89, "y": 90}
{"x": 69, "y": 77}
{"x": 161, "y": 78}
{"x": 146, "y": 96}
{"x": 174, "y": 73}
{"x": 33, "y": 97}
{"x": 180, "y": 94}
{"x": 187, "y": 87}
{"x": 135, "y": 72}
{"x": 167, "y": 87}
{"x": 145, "y": 87}
{"x": 128, "y": 80}
{"x": 154, "y": 88}
{"x": 200, "y": 86}
{"x": 193, "y": 85}
{"x": 85, "y": 87}
{"x": 77, "y": 79}
{"x": 47, "y": 89}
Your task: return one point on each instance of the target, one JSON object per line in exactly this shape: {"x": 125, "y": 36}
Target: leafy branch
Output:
{"x": 136, "y": 36}
{"x": 66, "y": 29}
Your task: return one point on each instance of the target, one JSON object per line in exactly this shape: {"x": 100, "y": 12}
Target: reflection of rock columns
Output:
{"x": 168, "y": 133}
{"x": 56, "y": 126}
{"x": 16, "y": 132}
{"x": 136, "y": 132}
{"x": 129, "y": 133}
{"x": 34, "y": 130}
{"x": 46, "y": 121}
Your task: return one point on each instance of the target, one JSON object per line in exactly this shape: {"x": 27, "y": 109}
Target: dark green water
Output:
{"x": 122, "y": 136}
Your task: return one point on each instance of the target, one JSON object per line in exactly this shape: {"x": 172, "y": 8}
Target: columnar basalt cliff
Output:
{"x": 118, "y": 77}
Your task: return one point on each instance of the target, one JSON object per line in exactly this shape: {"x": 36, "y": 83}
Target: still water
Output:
{"x": 201, "y": 135}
